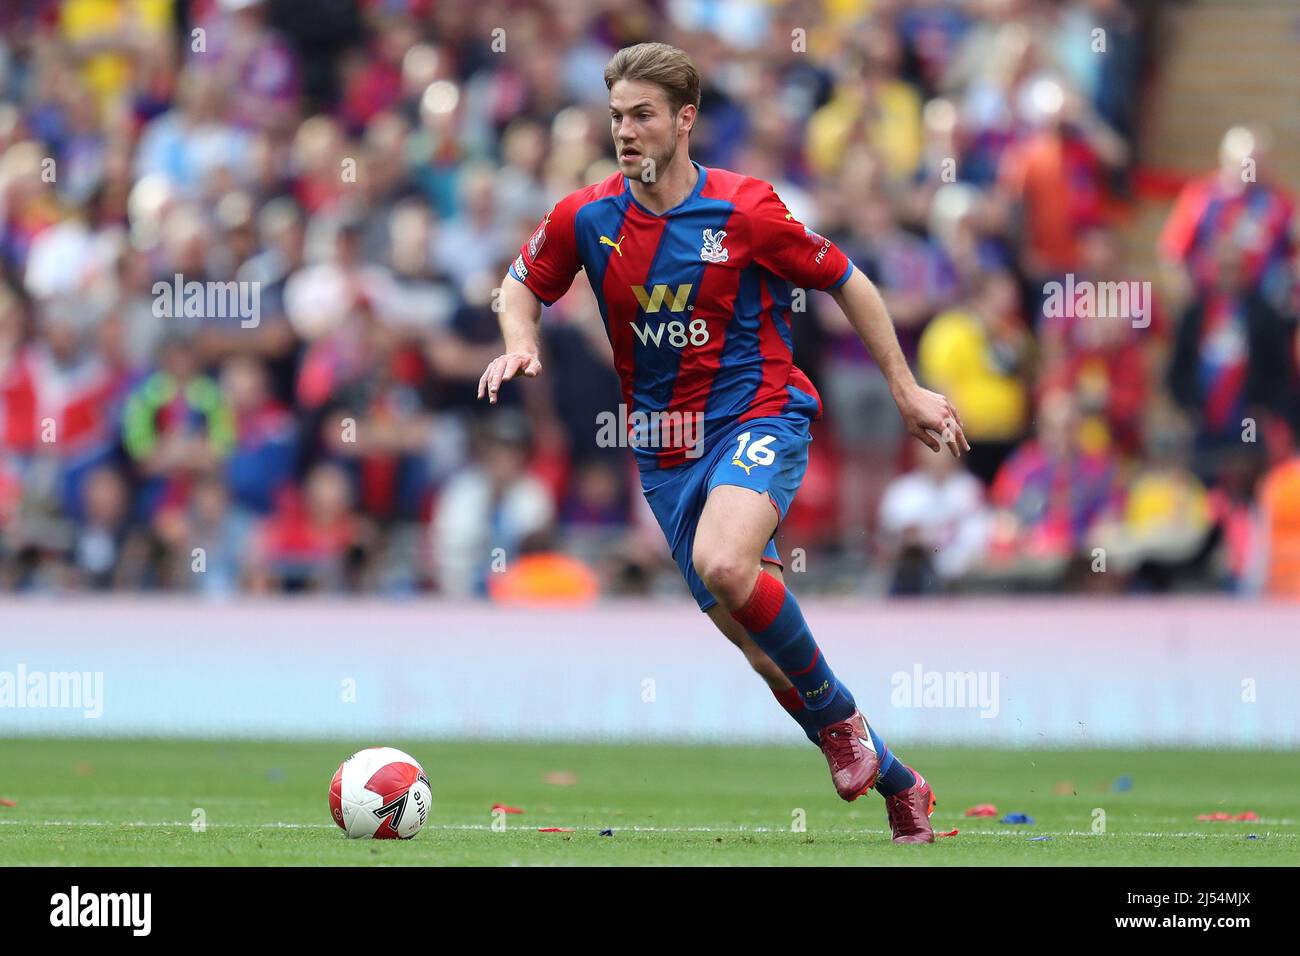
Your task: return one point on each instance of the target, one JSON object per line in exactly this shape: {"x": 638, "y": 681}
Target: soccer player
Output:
{"x": 695, "y": 271}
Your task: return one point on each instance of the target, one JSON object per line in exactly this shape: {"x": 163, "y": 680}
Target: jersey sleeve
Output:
{"x": 548, "y": 261}
{"x": 785, "y": 246}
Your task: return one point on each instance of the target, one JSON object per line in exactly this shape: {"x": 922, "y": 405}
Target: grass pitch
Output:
{"x": 136, "y": 802}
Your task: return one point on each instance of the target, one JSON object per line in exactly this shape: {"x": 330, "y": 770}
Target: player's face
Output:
{"x": 644, "y": 127}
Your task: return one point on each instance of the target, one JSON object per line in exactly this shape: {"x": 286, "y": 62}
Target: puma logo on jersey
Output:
{"x": 748, "y": 468}
{"x": 606, "y": 241}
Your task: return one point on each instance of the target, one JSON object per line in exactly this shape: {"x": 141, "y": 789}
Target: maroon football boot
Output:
{"x": 852, "y": 758}
{"x": 909, "y": 812}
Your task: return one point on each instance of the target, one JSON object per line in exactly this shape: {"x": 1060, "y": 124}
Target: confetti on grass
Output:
{"x": 1018, "y": 818}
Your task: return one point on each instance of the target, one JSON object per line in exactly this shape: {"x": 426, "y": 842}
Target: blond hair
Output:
{"x": 665, "y": 66}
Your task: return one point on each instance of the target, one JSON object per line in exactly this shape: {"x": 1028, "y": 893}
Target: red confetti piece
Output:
{"x": 953, "y": 832}
{"x": 502, "y": 807}
{"x": 8, "y": 803}
{"x": 1248, "y": 815}
{"x": 554, "y": 829}
{"x": 1213, "y": 817}
{"x": 982, "y": 810}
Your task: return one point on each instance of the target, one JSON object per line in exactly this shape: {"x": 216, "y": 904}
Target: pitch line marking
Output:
{"x": 145, "y": 824}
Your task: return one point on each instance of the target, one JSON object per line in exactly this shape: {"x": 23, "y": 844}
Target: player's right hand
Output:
{"x": 932, "y": 419}
{"x": 505, "y": 367}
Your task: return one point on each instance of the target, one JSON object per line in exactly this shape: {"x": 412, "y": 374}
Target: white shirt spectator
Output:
{"x": 468, "y": 525}
{"x": 945, "y": 510}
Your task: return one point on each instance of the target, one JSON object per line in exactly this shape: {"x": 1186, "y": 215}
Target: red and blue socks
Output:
{"x": 772, "y": 618}
{"x": 893, "y": 777}
{"x": 793, "y": 704}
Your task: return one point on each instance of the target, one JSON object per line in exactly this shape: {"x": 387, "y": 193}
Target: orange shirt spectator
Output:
{"x": 1055, "y": 177}
{"x": 1279, "y": 499}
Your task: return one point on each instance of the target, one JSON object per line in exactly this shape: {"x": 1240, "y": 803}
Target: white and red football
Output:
{"x": 380, "y": 792}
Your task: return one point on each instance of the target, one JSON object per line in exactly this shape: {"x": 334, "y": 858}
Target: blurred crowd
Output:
{"x": 362, "y": 172}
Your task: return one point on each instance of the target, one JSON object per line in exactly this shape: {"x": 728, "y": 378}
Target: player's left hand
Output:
{"x": 931, "y": 418}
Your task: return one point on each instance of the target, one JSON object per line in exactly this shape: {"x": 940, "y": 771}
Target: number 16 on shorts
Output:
{"x": 769, "y": 456}
{"x": 750, "y": 454}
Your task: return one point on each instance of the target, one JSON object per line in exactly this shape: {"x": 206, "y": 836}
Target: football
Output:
{"x": 380, "y": 792}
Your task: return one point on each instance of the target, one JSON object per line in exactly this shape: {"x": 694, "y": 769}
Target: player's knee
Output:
{"x": 728, "y": 576}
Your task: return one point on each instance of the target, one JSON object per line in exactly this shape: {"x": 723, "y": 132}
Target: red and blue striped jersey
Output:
{"x": 696, "y": 301}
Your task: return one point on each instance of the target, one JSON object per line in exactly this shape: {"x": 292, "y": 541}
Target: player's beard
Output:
{"x": 662, "y": 160}
{"x": 658, "y": 163}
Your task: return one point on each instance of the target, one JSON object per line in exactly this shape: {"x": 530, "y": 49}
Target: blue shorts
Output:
{"x": 764, "y": 454}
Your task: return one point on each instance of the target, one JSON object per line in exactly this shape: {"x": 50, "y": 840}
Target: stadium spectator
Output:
{"x": 61, "y": 401}
{"x": 1279, "y": 528}
{"x": 1053, "y": 179}
{"x": 200, "y": 543}
{"x": 934, "y": 525}
{"x": 980, "y": 355}
{"x": 264, "y": 450}
{"x": 108, "y": 551}
{"x": 314, "y": 540}
{"x": 175, "y": 423}
{"x": 1162, "y": 533}
{"x": 1052, "y": 492}
{"x": 1103, "y": 354}
{"x": 242, "y": 53}
{"x": 1230, "y": 260}
{"x": 486, "y": 511}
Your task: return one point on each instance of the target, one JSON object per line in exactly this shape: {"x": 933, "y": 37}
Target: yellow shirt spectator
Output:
{"x": 101, "y": 31}
{"x": 954, "y": 357}
{"x": 895, "y": 133}
{"x": 1166, "y": 499}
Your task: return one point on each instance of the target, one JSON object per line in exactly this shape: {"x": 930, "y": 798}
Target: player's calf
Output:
{"x": 786, "y": 694}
